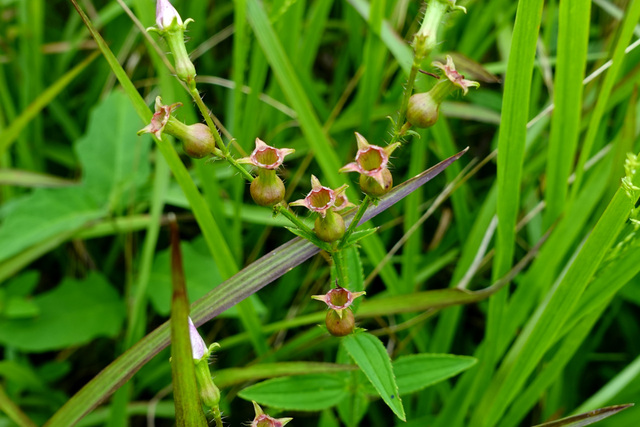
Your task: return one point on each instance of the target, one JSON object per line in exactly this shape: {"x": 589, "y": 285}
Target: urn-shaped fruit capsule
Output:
{"x": 267, "y": 189}
{"x": 198, "y": 141}
{"x": 340, "y": 325}
{"x": 331, "y": 227}
{"x": 423, "y": 110}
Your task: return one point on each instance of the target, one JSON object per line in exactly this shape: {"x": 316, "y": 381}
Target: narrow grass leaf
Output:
{"x": 232, "y": 376}
{"x": 573, "y": 38}
{"x": 13, "y": 411}
{"x": 631, "y": 19}
{"x": 10, "y": 134}
{"x": 624, "y": 379}
{"x": 371, "y": 356}
{"x": 187, "y": 399}
{"x": 23, "y": 178}
{"x": 587, "y": 418}
{"x": 300, "y": 393}
{"x": 539, "y": 332}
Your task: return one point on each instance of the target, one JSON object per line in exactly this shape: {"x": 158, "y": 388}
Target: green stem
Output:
{"x": 366, "y": 202}
{"x": 284, "y": 210}
{"x": 408, "y": 89}
{"x": 217, "y": 416}
{"x": 341, "y": 268}
{"x": 214, "y": 130}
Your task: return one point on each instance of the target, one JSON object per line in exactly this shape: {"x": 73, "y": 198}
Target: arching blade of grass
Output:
{"x": 547, "y": 321}
{"x": 248, "y": 281}
{"x": 587, "y": 418}
{"x": 573, "y": 38}
{"x": 19, "y": 123}
{"x": 13, "y": 411}
{"x": 631, "y": 18}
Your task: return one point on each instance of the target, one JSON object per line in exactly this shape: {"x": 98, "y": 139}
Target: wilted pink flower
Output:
{"x": 166, "y": 14}
{"x": 265, "y": 156}
{"x": 160, "y": 118}
{"x": 338, "y": 298}
{"x": 371, "y": 160}
{"x": 263, "y": 420}
{"x": 455, "y": 77}
{"x": 320, "y": 199}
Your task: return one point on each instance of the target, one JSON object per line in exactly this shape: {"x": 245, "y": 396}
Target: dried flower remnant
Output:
{"x": 329, "y": 225}
{"x": 160, "y": 118}
{"x": 454, "y": 76}
{"x": 371, "y": 163}
{"x": 263, "y": 420}
{"x": 267, "y": 189}
{"x": 424, "y": 108}
{"x": 338, "y": 299}
{"x": 266, "y": 157}
{"x": 197, "y": 139}
{"x": 339, "y": 320}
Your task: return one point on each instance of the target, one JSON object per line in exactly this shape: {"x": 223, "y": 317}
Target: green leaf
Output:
{"x": 230, "y": 376}
{"x": 299, "y": 393}
{"x": 114, "y": 159}
{"x": 371, "y": 356}
{"x": 199, "y": 268}
{"x": 419, "y": 371}
{"x": 45, "y": 213}
{"x": 587, "y": 418}
{"x": 360, "y": 234}
{"x": 94, "y": 309}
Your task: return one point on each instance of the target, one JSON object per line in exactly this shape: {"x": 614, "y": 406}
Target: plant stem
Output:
{"x": 284, "y": 210}
{"x": 217, "y": 416}
{"x": 366, "y": 202}
{"x": 214, "y": 130}
{"x": 341, "y": 269}
{"x": 408, "y": 89}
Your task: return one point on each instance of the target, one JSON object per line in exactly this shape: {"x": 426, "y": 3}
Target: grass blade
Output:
{"x": 587, "y": 418}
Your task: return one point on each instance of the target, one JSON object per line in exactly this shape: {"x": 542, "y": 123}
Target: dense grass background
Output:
{"x": 84, "y": 260}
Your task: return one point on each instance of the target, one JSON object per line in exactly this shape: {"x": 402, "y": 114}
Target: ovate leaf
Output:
{"x": 72, "y": 314}
{"x": 418, "y": 371}
{"x": 370, "y": 355}
{"x": 114, "y": 159}
{"x": 45, "y": 213}
{"x": 299, "y": 393}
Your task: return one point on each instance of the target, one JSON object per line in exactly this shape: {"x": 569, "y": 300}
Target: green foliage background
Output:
{"x": 83, "y": 255}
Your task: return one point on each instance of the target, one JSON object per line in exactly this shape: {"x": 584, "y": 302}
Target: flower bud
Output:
{"x": 341, "y": 323}
{"x": 267, "y": 189}
{"x": 330, "y": 227}
{"x": 422, "y": 111}
{"x": 170, "y": 26}
{"x": 371, "y": 186}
